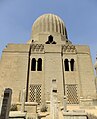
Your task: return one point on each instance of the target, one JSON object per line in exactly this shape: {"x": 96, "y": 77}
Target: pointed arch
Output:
{"x": 72, "y": 64}
{"x": 66, "y": 63}
{"x": 50, "y": 38}
{"x": 39, "y": 65}
{"x": 33, "y": 65}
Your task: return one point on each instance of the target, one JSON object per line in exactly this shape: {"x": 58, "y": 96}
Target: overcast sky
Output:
{"x": 80, "y": 17}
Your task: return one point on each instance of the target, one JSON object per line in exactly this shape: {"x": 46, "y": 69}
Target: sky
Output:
{"x": 80, "y": 17}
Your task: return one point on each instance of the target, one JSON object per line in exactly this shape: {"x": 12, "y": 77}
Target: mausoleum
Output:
{"x": 48, "y": 62}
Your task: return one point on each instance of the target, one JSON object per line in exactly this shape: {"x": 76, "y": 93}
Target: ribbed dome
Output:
{"x": 49, "y": 23}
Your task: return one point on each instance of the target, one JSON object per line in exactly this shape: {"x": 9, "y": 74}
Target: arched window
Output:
{"x": 33, "y": 65}
{"x": 66, "y": 62}
{"x": 72, "y": 64}
{"x": 39, "y": 65}
{"x": 50, "y": 40}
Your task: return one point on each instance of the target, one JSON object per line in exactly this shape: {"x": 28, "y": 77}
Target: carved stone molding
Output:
{"x": 68, "y": 48}
{"x": 37, "y": 48}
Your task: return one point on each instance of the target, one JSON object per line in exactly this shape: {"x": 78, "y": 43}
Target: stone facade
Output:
{"x": 48, "y": 55}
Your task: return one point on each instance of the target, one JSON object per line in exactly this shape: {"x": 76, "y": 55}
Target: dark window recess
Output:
{"x": 55, "y": 91}
{"x": 72, "y": 64}
{"x": 39, "y": 65}
{"x": 33, "y": 65}
{"x": 50, "y": 40}
{"x": 6, "y": 94}
{"x": 66, "y": 33}
{"x": 66, "y": 62}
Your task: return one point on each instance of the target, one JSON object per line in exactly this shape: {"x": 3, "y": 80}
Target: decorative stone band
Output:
{"x": 37, "y": 48}
{"x": 69, "y": 49}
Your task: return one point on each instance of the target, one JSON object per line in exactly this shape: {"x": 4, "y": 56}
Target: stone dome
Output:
{"x": 49, "y": 23}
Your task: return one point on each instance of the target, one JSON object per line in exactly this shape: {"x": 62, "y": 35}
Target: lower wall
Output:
{"x": 75, "y": 115}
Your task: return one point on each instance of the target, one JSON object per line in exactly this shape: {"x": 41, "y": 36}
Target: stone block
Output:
{"x": 30, "y": 107}
{"x": 17, "y": 115}
{"x": 75, "y": 115}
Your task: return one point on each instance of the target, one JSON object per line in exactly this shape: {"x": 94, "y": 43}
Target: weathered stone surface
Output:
{"x": 17, "y": 115}
{"x": 55, "y": 57}
{"x": 75, "y": 115}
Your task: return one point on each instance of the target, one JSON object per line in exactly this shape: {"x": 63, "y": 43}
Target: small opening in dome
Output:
{"x": 50, "y": 40}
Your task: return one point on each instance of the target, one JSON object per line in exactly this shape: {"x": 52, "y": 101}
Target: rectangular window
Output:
{"x": 35, "y": 93}
{"x": 72, "y": 94}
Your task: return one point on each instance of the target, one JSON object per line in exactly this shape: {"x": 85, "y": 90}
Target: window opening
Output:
{"x": 33, "y": 65}
{"x": 72, "y": 64}
{"x": 66, "y": 33}
{"x": 50, "y": 40}
{"x": 39, "y": 65}
{"x": 66, "y": 62}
